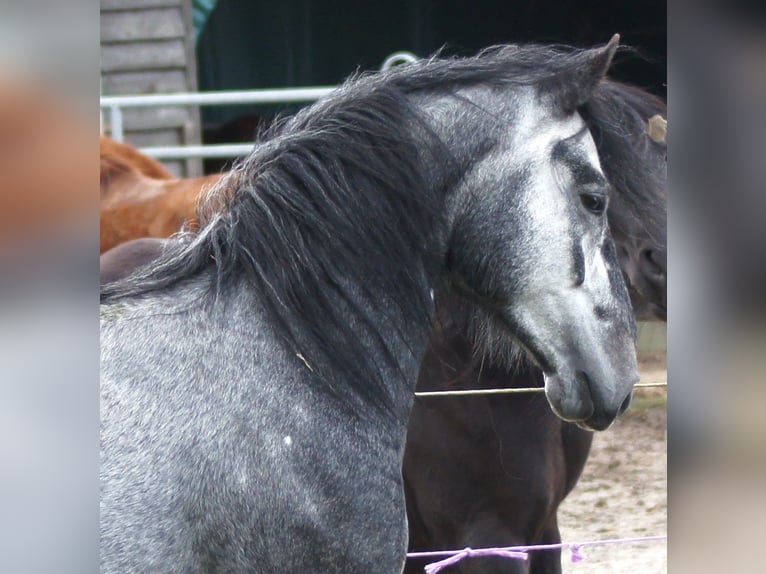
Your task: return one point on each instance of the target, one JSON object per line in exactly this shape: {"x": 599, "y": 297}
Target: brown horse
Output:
{"x": 141, "y": 198}
{"x": 116, "y": 155}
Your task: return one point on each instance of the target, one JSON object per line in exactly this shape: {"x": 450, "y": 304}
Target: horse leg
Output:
{"x": 547, "y": 561}
{"x": 489, "y": 530}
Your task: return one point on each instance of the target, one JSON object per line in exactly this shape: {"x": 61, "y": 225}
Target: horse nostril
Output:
{"x": 625, "y": 404}
{"x": 623, "y": 255}
{"x": 654, "y": 265}
{"x": 584, "y": 381}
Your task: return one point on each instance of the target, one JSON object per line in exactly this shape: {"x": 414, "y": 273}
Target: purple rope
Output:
{"x": 577, "y": 553}
{"x": 519, "y": 552}
{"x": 470, "y": 552}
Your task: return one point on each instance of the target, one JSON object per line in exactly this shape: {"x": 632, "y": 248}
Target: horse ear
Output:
{"x": 657, "y": 127}
{"x": 574, "y": 86}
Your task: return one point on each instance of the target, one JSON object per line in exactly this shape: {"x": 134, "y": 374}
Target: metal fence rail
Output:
{"x": 115, "y": 104}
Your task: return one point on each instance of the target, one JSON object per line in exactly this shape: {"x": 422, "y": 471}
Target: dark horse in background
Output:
{"x": 492, "y": 470}
{"x": 257, "y": 379}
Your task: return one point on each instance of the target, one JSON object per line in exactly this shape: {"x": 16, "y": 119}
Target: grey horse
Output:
{"x": 257, "y": 379}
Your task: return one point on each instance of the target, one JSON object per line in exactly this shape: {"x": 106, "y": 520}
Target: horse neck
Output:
{"x": 384, "y": 335}
{"x": 446, "y": 156}
{"x": 341, "y": 263}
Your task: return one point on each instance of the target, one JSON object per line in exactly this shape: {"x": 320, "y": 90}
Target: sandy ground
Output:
{"x": 623, "y": 492}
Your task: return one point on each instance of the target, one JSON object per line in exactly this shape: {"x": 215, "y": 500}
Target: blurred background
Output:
{"x": 49, "y": 406}
{"x": 716, "y": 215}
{"x": 57, "y": 57}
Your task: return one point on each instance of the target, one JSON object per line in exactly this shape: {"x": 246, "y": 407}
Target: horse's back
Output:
{"x": 215, "y": 458}
{"x": 124, "y": 259}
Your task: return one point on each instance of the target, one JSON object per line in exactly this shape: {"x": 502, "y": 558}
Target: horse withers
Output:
{"x": 257, "y": 379}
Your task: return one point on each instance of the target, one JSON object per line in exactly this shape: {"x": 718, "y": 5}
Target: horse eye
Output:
{"x": 594, "y": 203}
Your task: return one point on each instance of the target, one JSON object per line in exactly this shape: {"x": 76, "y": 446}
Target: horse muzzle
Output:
{"x": 580, "y": 399}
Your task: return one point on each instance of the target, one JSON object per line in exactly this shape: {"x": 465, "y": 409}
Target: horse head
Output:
{"x": 546, "y": 266}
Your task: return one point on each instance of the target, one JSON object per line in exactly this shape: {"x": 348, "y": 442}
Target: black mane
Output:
{"x": 617, "y": 116}
{"x": 339, "y": 192}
